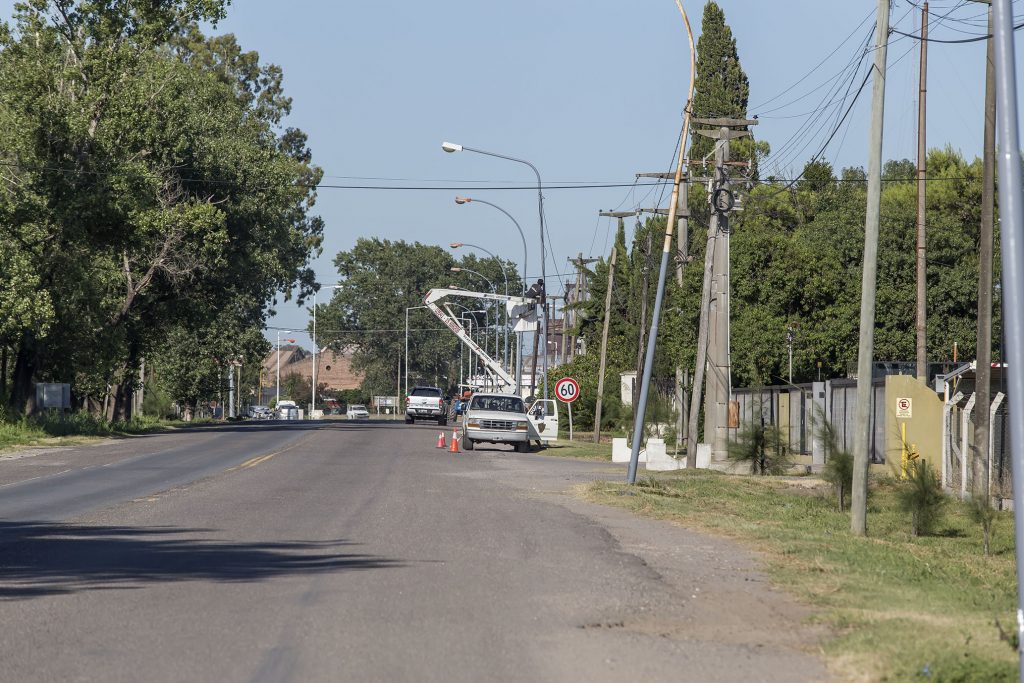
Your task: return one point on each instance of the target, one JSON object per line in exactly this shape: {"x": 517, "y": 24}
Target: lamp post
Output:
{"x": 522, "y": 277}
{"x": 313, "y": 376}
{"x": 453, "y": 147}
{"x": 457, "y": 269}
{"x": 472, "y": 323}
{"x": 290, "y": 341}
{"x": 504, "y": 274}
{"x": 408, "y": 308}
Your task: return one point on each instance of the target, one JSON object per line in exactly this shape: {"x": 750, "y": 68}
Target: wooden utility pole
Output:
{"x": 922, "y": 162}
{"x": 981, "y": 460}
{"x": 604, "y": 330}
{"x": 869, "y": 282}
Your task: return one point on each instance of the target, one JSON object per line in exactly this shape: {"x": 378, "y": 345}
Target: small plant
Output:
{"x": 921, "y": 495}
{"x": 984, "y": 515}
{"x": 838, "y": 469}
{"x": 763, "y": 447}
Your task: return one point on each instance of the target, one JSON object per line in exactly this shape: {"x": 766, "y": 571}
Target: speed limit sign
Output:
{"x": 567, "y": 389}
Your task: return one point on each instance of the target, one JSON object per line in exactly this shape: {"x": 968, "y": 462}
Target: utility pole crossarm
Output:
{"x": 725, "y": 122}
{"x": 617, "y": 214}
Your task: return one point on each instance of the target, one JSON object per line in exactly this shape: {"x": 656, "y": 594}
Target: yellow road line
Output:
{"x": 252, "y": 462}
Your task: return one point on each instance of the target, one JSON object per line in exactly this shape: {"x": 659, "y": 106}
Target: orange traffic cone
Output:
{"x": 440, "y": 441}
{"x": 455, "y": 443}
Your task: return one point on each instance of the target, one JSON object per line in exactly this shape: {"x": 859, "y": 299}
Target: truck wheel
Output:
{"x": 442, "y": 421}
{"x": 523, "y": 447}
{"x": 467, "y": 443}
{"x": 408, "y": 420}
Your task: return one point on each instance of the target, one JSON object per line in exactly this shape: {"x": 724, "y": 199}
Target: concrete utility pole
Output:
{"x": 713, "y": 330}
{"x": 922, "y": 162}
{"x": 866, "y": 347}
{"x": 981, "y": 461}
{"x": 607, "y": 319}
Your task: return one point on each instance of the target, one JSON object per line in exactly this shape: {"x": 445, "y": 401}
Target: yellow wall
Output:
{"x": 924, "y": 427}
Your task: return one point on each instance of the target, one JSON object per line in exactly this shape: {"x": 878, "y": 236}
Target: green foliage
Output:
{"x": 379, "y": 280}
{"x": 892, "y": 606}
{"x": 155, "y": 198}
{"x": 921, "y": 496}
{"x": 984, "y": 515}
{"x": 763, "y": 447}
{"x": 838, "y": 470}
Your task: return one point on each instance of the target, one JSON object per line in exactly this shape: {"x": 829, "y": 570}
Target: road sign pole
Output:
{"x": 569, "y": 408}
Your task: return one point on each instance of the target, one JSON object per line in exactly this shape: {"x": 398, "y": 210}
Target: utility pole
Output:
{"x": 682, "y": 258}
{"x": 713, "y": 330}
{"x": 607, "y": 319}
{"x": 638, "y": 422}
{"x": 981, "y": 461}
{"x": 645, "y": 271}
{"x": 1011, "y": 212}
{"x": 866, "y": 346}
{"x": 580, "y": 293}
{"x": 922, "y": 162}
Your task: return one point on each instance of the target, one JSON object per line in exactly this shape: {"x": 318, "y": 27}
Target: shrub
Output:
{"x": 920, "y": 494}
{"x": 763, "y": 447}
{"x": 838, "y": 463}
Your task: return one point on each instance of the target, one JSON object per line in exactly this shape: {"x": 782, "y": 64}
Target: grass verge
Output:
{"x": 585, "y": 449}
{"x": 900, "y": 608}
{"x": 76, "y": 429}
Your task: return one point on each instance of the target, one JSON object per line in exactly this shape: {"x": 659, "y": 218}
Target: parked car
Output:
{"x": 357, "y": 411}
{"x": 287, "y": 410}
{"x": 259, "y": 413}
{"x": 424, "y": 403}
{"x": 496, "y": 418}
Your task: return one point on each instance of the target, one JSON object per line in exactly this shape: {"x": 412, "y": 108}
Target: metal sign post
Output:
{"x": 567, "y": 390}
{"x": 1011, "y": 209}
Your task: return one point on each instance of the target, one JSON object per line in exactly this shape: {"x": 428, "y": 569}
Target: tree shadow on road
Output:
{"x": 39, "y": 559}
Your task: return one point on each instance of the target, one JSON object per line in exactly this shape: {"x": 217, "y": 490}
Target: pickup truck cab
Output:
{"x": 426, "y": 403}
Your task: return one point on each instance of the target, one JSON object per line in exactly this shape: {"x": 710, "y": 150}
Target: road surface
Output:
{"x": 359, "y": 552}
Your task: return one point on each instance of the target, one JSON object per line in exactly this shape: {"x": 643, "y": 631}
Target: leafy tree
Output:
{"x": 379, "y": 280}
{"x": 153, "y": 194}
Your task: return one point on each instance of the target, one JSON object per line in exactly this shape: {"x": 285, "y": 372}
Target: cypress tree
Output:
{"x": 721, "y": 85}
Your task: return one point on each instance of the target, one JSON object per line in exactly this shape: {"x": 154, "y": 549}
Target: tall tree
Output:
{"x": 150, "y": 187}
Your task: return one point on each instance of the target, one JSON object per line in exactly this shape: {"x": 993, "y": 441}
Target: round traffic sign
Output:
{"x": 567, "y": 390}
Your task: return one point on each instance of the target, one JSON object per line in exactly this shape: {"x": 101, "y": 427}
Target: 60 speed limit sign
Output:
{"x": 567, "y": 389}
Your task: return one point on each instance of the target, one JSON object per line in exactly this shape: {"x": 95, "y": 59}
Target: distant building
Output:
{"x": 334, "y": 368}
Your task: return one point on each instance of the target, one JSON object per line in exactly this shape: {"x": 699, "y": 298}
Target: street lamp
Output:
{"x": 472, "y": 321}
{"x": 313, "y": 404}
{"x": 290, "y": 341}
{"x": 453, "y": 147}
{"x": 408, "y": 308}
{"x": 522, "y": 277}
{"x": 456, "y": 269}
{"x": 504, "y": 274}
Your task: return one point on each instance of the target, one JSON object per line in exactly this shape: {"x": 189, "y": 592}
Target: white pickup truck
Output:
{"x": 504, "y": 418}
{"x": 426, "y": 403}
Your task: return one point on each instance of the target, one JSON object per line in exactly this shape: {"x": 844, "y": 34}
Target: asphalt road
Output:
{"x": 359, "y": 552}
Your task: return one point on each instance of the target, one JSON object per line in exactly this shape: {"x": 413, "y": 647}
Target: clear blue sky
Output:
{"x": 588, "y": 90}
